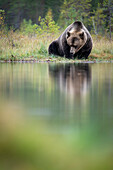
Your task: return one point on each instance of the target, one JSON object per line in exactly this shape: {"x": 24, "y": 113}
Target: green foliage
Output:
{"x": 42, "y": 50}
{"x": 28, "y": 28}
{"x": 2, "y": 19}
{"x": 99, "y": 17}
{"x": 3, "y": 26}
{"x": 74, "y": 10}
{"x": 102, "y": 17}
{"x": 46, "y": 25}
{"x": 41, "y": 17}
{"x": 51, "y": 25}
{"x": 68, "y": 14}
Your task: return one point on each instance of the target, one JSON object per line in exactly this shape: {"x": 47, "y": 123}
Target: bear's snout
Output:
{"x": 72, "y": 50}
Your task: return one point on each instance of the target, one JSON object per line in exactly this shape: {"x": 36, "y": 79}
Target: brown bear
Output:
{"x": 74, "y": 42}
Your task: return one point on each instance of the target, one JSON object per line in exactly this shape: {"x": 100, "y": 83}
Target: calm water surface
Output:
{"x": 65, "y": 93}
{"x": 70, "y": 98}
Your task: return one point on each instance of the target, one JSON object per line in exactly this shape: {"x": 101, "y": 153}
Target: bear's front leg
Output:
{"x": 69, "y": 55}
{"x": 84, "y": 55}
{"x": 67, "y": 52}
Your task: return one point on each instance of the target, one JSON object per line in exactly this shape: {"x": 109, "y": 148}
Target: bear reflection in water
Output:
{"x": 73, "y": 79}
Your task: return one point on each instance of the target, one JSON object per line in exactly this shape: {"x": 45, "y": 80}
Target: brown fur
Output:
{"x": 75, "y": 42}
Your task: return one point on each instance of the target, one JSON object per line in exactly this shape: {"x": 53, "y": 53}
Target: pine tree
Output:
{"x": 102, "y": 18}
{"x": 75, "y": 10}
{"x": 108, "y": 10}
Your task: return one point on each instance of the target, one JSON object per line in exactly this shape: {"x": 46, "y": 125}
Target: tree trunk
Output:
{"x": 94, "y": 26}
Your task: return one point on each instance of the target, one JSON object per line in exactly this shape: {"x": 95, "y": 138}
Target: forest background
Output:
{"x": 41, "y": 21}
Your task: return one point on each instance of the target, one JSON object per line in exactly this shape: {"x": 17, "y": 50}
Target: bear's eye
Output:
{"x": 82, "y": 35}
{"x": 68, "y": 34}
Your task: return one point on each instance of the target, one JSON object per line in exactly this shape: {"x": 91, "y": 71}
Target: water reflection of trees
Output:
{"x": 72, "y": 79}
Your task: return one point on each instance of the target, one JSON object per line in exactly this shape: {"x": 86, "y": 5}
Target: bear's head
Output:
{"x": 76, "y": 37}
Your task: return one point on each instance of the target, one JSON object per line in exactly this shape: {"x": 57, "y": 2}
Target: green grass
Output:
{"x": 16, "y": 47}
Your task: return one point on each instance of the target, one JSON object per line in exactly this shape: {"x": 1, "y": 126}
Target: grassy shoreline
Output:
{"x": 49, "y": 60}
{"x": 16, "y": 47}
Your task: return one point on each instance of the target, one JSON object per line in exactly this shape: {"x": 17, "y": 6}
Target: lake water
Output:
{"x": 67, "y": 100}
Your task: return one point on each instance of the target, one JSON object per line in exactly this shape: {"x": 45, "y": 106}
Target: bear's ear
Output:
{"x": 78, "y": 25}
{"x": 67, "y": 34}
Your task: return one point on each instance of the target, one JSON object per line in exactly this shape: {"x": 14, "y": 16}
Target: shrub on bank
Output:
{"x": 46, "y": 25}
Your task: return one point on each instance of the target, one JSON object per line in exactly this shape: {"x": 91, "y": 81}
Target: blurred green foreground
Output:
{"x": 69, "y": 134}
{"x": 27, "y": 145}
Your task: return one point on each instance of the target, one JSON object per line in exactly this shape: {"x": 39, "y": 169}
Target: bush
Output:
{"x": 28, "y": 28}
{"x": 2, "y": 18}
{"x": 42, "y": 50}
{"x": 46, "y": 25}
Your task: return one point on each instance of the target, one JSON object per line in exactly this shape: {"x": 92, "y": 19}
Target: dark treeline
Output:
{"x": 17, "y": 10}
{"x": 97, "y": 15}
